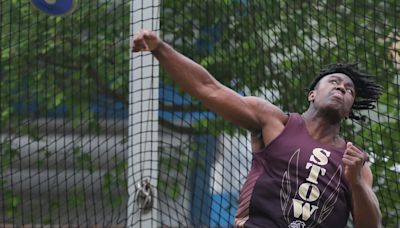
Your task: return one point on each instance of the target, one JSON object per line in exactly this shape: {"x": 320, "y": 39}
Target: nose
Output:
{"x": 341, "y": 88}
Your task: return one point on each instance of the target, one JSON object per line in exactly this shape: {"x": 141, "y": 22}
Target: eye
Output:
{"x": 350, "y": 91}
{"x": 334, "y": 82}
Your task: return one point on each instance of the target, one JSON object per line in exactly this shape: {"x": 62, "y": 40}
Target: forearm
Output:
{"x": 366, "y": 212}
{"x": 190, "y": 76}
{"x": 195, "y": 80}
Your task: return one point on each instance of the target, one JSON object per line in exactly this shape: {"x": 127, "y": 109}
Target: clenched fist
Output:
{"x": 145, "y": 41}
{"x": 353, "y": 160}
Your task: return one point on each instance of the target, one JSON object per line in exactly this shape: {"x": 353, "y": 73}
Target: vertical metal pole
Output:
{"x": 143, "y": 120}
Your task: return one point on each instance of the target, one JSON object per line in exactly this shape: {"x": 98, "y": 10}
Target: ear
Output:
{"x": 311, "y": 96}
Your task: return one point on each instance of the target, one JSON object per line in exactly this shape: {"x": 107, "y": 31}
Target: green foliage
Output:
{"x": 279, "y": 46}
{"x": 11, "y": 201}
{"x": 75, "y": 198}
{"x": 250, "y": 46}
{"x": 8, "y": 155}
{"x": 176, "y": 162}
{"x": 83, "y": 160}
{"x": 116, "y": 180}
{"x": 49, "y": 63}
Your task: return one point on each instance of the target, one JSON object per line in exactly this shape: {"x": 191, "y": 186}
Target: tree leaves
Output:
{"x": 278, "y": 46}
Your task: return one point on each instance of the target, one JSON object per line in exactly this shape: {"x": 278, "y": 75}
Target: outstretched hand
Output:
{"x": 145, "y": 41}
{"x": 353, "y": 160}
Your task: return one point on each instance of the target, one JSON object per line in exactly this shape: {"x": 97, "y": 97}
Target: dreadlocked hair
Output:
{"x": 367, "y": 90}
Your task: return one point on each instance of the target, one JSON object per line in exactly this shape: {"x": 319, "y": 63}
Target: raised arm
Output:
{"x": 247, "y": 112}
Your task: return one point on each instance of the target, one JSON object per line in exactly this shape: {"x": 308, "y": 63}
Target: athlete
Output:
{"x": 303, "y": 174}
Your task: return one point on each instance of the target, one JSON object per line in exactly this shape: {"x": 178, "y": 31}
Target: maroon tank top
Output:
{"x": 295, "y": 182}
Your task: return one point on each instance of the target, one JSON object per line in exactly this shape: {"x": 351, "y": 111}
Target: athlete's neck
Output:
{"x": 323, "y": 129}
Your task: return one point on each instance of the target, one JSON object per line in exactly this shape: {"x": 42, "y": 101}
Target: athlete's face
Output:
{"x": 334, "y": 92}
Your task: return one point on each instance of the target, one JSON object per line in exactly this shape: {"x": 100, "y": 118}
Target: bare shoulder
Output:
{"x": 267, "y": 112}
{"x": 272, "y": 122}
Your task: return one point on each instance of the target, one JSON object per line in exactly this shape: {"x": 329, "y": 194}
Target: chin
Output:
{"x": 334, "y": 113}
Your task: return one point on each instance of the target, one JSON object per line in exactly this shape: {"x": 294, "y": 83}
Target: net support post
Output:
{"x": 143, "y": 122}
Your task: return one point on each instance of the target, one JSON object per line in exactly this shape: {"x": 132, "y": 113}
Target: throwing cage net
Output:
{"x": 92, "y": 135}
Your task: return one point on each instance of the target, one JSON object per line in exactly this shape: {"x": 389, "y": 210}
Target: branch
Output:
{"x": 176, "y": 128}
{"x": 48, "y": 60}
{"x": 104, "y": 88}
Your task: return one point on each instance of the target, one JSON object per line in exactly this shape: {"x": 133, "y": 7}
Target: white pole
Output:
{"x": 143, "y": 121}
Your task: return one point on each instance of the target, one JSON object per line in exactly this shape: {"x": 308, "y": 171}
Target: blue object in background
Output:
{"x": 200, "y": 180}
{"x": 223, "y": 209}
{"x": 54, "y": 7}
{"x": 208, "y": 209}
{"x": 168, "y": 95}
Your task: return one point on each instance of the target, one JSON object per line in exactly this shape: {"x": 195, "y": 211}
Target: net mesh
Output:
{"x": 64, "y": 102}
{"x": 63, "y": 114}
